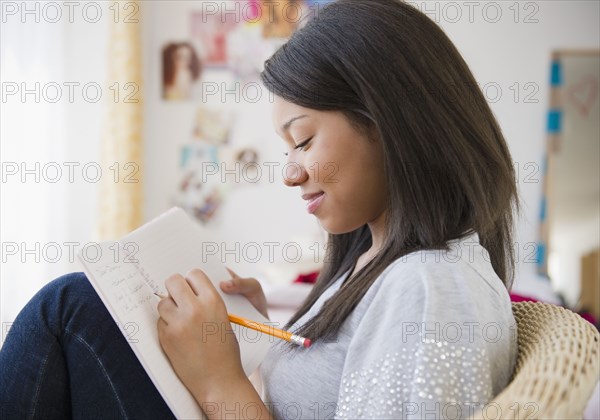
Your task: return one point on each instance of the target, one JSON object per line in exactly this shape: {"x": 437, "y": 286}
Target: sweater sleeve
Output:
{"x": 419, "y": 350}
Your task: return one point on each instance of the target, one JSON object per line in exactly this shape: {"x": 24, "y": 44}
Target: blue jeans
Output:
{"x": 65, "y": 357}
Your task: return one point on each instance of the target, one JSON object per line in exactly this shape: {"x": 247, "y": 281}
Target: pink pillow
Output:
{"x": 307, "y": 278}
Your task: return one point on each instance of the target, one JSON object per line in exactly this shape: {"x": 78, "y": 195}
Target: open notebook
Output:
{"x": 126, "y": 273}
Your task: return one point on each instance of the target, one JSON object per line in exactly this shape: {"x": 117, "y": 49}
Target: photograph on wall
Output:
{"x": 242, "y": 166}
{"x": 210, "y": 29}
{"x": 212, "y": 126}
{"x": 246, "y": 159}
{"x": 200, "y": 192}
{"x": 181, "y": 71}
{"x": 280, "y": 18}
{"x": 247, "y": 52}
{"x": 317, "y": 3}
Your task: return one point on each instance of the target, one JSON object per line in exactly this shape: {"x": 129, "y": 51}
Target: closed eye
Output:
{"x": 304, "y": 143}
{"x": 301, "y": 145}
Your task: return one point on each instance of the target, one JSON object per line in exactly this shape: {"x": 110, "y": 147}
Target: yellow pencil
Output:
{"x": 266, "y": 329}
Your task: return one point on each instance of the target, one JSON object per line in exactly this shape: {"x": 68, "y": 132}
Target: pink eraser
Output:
{"x": 307, "y": 342}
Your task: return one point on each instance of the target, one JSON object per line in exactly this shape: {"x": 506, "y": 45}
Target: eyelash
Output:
{"x": 301, "y": 145}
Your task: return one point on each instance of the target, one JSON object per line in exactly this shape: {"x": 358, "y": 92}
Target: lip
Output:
{"x": 310, "y": 196}
{"x": 314, "y": 200}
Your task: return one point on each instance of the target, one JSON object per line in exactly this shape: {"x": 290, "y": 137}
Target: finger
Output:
{"x": 199, "y": 282}
{"x": 161, "y": 326}
{"x": 167, "y": 309}
{"x": 227, "y": 286}
{"x": 232, "y": 273}
{"x": 179, "y": 290}
{"x": 244, "y": 286}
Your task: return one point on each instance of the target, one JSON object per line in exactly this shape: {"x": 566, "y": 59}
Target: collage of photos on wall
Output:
{"x": 234, "y": 45}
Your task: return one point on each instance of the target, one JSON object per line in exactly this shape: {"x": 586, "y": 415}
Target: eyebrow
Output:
{"x": 286, "y": 126}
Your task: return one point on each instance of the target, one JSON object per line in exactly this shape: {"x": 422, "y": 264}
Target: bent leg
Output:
{"x": 64, "y": 356}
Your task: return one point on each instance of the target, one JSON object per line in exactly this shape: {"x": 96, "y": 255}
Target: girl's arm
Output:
{"x": 235, "y": 399}
{"x": 196, "y": 335}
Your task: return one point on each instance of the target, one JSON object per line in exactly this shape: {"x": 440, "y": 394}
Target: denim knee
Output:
{"x": 65, "y": 299}
{"x": 67, "y": 356}
{"x": 76, "y": 283}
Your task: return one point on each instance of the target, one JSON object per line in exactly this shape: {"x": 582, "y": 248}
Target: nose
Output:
{"x": 294, "y": 174}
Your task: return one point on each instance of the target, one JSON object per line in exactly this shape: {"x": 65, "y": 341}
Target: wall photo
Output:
{"x": 199, "y": 191}
{"x": 210, "y": 31}
{"x": 181, "y": 71}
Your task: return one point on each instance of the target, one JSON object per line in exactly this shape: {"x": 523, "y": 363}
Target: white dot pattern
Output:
{"x": 435, "y": 378}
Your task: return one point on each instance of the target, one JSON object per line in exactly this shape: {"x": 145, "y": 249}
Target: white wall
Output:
{"x": 500, "y": 54}
{"x": 507, "y": 52}
{"x": 574, "y": 202}
{"x": 37, "y": 214}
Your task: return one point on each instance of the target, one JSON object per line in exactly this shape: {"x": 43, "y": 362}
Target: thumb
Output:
{"x": 241, "y": 285}
{"x": 233, "y": 284}
{"x": 232, "y": 273}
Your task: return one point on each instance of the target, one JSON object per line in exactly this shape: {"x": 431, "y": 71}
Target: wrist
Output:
{"x": 236, "y": 397}
{"x": 222, "y": 388}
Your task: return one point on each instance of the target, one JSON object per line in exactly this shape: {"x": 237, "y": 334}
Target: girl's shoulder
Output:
{"x": 460, "y": 280}
{"x": 464, "y": 262}
{"x": 439, "y": 290}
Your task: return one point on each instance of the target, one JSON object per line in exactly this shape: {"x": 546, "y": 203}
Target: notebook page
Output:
{"x": 132, "y": 305}
{"x": 174, "y": 243}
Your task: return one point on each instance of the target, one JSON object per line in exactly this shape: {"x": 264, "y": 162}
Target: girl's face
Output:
{"x": 339, "y": 170}
{"x": 183, "y": 57}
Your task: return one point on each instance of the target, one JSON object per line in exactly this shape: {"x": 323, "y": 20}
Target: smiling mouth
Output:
{"x": 314, "y": 200}
{"x": 310, "y": 196}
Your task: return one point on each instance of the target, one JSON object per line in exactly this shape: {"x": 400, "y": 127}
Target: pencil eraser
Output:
{"x": 307, "y": 342}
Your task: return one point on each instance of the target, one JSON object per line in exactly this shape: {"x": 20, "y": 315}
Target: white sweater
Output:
{"x": 433, "y": 337}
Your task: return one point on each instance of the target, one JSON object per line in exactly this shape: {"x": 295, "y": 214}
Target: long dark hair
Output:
{"x": 168, "y": 61}
{"x": 449, "y": 172}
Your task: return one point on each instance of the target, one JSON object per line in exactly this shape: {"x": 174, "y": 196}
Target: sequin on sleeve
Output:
{"x": 440, "y": 379}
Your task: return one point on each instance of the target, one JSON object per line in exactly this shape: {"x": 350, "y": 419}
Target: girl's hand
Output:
{"x": 248, "y": 287}
{"x": 195, "y": 334}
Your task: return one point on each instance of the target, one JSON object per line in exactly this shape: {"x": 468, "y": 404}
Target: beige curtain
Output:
{"x": 121, "y": 198}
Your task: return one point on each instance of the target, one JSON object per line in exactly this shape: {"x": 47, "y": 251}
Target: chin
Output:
{"x": 337, "y": 228}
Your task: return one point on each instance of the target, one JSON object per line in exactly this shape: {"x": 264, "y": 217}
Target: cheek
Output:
{"x": 363, "y": 183}
{"x": 357, "y": 187}
{"x": 323, "y": 166}
{"x": 356, "y": 196}
{"x": 328, "y": 174}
